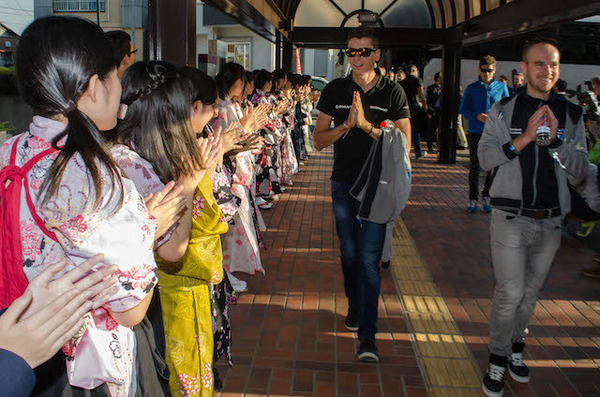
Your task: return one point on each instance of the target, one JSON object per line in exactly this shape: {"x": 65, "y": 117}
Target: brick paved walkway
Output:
{"x": 289, "y": 337}
{"x": 288, "y": 329}
{"x": 564, "y": 344}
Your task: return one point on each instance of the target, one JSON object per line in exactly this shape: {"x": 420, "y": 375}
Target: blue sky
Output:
{"x": 16, "y": 14}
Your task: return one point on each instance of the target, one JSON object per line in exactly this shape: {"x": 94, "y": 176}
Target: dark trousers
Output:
{"x": 418, "y": 125}
{"x": 298, "y": 141}
{"x": 473, "y": 140}
{"x": 361, "y": 246}
{"x": 433, "y": 125}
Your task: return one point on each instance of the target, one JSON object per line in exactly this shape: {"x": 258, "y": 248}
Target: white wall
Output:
{"x": 262, "y": 51}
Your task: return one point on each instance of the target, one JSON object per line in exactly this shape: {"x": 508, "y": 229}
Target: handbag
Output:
{"x": 103, "y": 355}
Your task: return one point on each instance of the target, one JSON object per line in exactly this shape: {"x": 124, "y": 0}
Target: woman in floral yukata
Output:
{"x": 241, "y": 243}
{"x": 268, "y": 174}
{"x": 160, "y": 125}
{"x": 284, "y": 105}
{"x": 79, "y": 203}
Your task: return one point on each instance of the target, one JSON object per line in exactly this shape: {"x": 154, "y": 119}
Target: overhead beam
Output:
{"x": 521, "y": 16}
{"x": 256, "y": 15}
{"x": 336, "y": 37}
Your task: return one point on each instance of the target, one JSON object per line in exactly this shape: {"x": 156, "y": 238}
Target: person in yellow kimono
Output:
{"x": 185, "y": 298}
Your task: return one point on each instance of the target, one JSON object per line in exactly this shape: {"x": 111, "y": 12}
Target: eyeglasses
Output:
{"x": 488, "y": 70}
{"x": 363, "y": 52}
{"x": 132, "y": 52}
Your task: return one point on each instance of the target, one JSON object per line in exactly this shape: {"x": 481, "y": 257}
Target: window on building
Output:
{"x": 6, "y": 59}
{"x": 239, "y": 53}
{"x": 78, "y": 5}
{"x": 7, "y": 44}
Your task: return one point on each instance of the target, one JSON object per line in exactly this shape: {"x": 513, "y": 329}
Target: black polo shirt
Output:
{"x": 386, "y": 100}
{"x": 411, "y": 86}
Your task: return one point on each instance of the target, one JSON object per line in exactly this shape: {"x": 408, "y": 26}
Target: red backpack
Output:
{"x": 13, "y": 281}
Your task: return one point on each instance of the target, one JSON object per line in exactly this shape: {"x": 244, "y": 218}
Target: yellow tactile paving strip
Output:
{"x": 446, "y": 363}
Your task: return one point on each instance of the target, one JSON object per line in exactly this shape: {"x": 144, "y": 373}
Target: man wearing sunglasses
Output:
{"x": 356, "y": 105}
{"x": 475, "y": 106}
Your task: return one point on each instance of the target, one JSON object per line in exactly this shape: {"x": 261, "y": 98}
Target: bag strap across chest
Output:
{"x": 13, "y": 281}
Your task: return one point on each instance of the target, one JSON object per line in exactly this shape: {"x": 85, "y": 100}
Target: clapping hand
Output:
{"x": 210, "y": 150}
{"x": 166, "y": 206}
{"x": 231, "y": 137}
{"x": 36, "y": 325}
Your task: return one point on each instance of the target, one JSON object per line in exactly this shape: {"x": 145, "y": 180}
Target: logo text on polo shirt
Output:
{"x": 378, "y": 108}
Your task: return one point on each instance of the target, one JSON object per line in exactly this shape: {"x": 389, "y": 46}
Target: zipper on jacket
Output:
{"x": 535, "y": 173}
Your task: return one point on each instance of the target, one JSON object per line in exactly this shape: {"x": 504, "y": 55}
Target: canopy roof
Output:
{"x": 311, "y": 23}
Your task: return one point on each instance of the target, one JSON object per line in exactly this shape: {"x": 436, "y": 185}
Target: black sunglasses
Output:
{"x": 363, "y": 52}
{"x": 487, "y": 70}
{"x": 132, "y": 52}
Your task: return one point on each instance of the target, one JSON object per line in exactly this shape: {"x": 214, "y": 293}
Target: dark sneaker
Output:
{"x": 385, "y": 265}
{"x": 493, "y": 380}
{"x": 367, "y": 352}
{"x": 351, "y": 322}
{"x": 516, "y": 367}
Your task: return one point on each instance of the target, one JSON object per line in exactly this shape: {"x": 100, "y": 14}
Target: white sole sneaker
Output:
{"x": 490, "y": 393}
{"x": 368, "y": 357}
{"x": 518, "y": 378}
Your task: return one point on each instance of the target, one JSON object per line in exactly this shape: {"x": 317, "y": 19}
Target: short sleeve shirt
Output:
{"x": 385, "y": 101}
{"x": 411, "y": 84}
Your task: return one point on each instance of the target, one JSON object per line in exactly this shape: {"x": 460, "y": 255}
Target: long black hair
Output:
{"x": 157, "y": 123}
{"x": 56, "y": 58}
{"x": 261, "y": 78}
{"x": 204, "y": 87}
{"x": 228, "y": 75}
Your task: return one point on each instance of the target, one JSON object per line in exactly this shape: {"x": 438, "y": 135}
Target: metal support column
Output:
{"x": 278, "y": 45}
{"x": 172, "y": 31}
{"x": 450, "y": 101}
{"x": 288, "y": 54}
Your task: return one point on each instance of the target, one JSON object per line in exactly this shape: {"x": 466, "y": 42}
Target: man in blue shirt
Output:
{"x": 475, "y": 106}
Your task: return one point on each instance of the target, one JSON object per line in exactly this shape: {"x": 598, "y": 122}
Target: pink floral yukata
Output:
{"x": 125, "y": 234}
{"x": 241, "y": 244}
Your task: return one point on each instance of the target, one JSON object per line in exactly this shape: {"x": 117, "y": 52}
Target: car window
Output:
{"x": 318, "y": 85}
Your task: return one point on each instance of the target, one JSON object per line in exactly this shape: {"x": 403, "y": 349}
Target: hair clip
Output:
{"x": 122, "y": 111}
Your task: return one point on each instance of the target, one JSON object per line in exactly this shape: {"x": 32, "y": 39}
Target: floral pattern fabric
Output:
{"x": 267, "y": 167}
{"x": 240, "y": 244}
{"x": 185, "y": 298}
{"x": 142, "y": 174}
{"x": 122, "y": 231}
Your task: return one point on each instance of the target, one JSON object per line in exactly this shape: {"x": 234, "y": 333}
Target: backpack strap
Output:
{"x": 12, "y": 277}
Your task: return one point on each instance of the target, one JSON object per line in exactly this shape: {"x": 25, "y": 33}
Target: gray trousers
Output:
{"x": 522, "y": 253}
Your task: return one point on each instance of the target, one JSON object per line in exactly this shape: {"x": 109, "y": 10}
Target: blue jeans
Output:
{"x": 361, "y": 245}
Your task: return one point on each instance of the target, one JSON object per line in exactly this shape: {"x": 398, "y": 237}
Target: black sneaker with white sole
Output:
{"x": 367, "y": 352}
{"x": 351, "y": 321}
{"x": 493, "y": 380}
{"x": 516, "y": 367}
